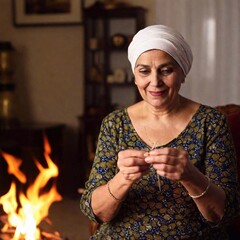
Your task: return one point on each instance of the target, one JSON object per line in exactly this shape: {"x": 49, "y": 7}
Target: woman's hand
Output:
{"x": 132, "y": 164}
{"x": 172, "y": 163}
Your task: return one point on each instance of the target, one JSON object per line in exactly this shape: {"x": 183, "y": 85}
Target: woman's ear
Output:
{"x": 134, "y": 79}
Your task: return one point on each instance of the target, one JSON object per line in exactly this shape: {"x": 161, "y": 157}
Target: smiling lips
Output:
{"x": 157, "y": 93}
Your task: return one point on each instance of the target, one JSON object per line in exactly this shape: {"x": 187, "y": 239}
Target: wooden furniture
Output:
{"x": 232, "y": 112}
{"x": 7, "y": 85}
{"x": 108, "y": 78}
{"x": 25, "y": 141}
{"x": 233, "y": 115}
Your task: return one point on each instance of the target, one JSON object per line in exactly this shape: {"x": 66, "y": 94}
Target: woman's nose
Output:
{"x": 156, "y": 79}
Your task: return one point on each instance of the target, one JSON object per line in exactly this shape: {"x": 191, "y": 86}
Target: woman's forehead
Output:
{"x": 156, "y": 56}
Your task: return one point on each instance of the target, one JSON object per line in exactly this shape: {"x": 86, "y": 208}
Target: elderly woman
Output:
{"x": 165, "y": 166}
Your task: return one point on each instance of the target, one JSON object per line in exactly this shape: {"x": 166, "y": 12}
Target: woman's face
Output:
{"x": 158, "y": 78}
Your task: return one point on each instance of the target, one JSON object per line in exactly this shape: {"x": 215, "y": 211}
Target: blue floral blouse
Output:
{"x": 165, "y": 210}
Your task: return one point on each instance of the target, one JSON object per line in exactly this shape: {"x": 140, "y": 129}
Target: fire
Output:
{"x": 26, "y": 211}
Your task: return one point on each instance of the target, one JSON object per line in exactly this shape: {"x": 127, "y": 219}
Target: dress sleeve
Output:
{"x": 104, "y": 166}
{"x": 221, "y": 164}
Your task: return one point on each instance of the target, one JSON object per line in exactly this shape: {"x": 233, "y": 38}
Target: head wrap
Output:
{"x": 163, "y": 38}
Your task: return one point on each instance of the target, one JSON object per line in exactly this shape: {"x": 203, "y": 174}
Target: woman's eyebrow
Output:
{"x": 170, "y": 63}
{"x": 141, "y": 65}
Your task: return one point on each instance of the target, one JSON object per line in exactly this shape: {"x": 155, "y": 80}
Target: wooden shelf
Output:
{"x": 102, "y": 60}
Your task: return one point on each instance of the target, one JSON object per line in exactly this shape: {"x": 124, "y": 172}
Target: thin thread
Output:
{"x": 154, "y": 143}
{"x": 158, "y": 177}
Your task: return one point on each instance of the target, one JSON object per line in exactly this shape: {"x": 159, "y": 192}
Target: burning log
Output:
{"x": 51, "y": 236}
{"x": 8, "y": 234}
{"x": 44, "y": 236}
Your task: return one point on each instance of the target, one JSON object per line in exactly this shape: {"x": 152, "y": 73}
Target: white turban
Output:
{"x": 163, "y": 38}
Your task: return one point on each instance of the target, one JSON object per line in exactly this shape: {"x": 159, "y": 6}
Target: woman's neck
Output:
{"x": 170, "y": 110}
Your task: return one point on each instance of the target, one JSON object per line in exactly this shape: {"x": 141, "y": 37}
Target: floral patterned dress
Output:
{"x": 165, "y": 210}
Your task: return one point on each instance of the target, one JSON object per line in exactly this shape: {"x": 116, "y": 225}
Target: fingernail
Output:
{"x": 146, "y": 154}
{"x": 147, "y": 159}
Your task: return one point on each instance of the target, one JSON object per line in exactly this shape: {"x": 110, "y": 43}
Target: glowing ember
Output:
{"x": 26, "y": 211}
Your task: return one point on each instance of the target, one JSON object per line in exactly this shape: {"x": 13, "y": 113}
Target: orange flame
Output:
{"x": 13, "y": 167}
{"x": 33, "y": 207}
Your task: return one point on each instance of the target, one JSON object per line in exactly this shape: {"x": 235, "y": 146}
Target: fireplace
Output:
{"x": 24, "y": 207}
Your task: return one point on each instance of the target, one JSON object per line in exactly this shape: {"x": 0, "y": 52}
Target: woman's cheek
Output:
{"x": 142, "y": 83}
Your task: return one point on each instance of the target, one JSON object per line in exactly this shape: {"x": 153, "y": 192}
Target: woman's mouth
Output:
{"x": 157, "y": 93}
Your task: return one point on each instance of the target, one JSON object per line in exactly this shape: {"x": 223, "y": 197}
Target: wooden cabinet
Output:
{"x": 108, "y": 78}
{"x": 108, "y": 75}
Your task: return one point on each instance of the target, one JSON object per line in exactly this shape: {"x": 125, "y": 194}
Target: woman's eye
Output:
{"x": 166, "y": 71}
{"x": 144, "y": 71}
